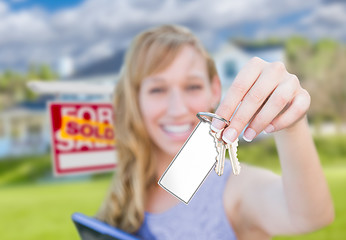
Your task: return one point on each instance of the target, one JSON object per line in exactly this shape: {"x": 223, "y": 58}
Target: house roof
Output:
{"x": 107, "y": 66}
{"x": 38, "y": 106}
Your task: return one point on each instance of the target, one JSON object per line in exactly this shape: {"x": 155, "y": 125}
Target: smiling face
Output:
{"x": 170, "y": 99}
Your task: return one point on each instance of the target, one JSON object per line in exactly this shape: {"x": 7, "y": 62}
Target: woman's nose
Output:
{"x": 176, "y": 103}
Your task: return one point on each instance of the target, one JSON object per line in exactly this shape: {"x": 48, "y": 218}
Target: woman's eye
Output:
{"x": 194, "y": 87}
{"x": 157, "y": 90}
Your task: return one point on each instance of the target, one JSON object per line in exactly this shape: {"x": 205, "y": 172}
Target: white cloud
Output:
{"x": 321, "y": 21}
{"x": 332, "y": 15}
{"x": 96, "y": 28}
{"x": 3, "y": 8}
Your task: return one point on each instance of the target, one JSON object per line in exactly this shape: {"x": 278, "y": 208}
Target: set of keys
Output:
{"x": 221, "y": 148}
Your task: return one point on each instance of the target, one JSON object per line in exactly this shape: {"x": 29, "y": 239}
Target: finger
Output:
{"x": 296, "y": 111}
{"x": 278, "y": 100}
{"x": 240, "y": 86}
{"x": 264, "y": 86}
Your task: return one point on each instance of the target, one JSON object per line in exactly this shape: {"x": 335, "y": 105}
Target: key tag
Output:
{"x": 194, "y": 161}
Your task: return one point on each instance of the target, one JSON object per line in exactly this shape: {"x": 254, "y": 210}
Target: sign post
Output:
{"x": 82, "y": 137}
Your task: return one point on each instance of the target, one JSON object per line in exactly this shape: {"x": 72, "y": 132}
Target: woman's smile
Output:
{"x": 178, "y": 132}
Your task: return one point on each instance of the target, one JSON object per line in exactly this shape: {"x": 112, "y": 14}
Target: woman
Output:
{"x": 167, "y": 78}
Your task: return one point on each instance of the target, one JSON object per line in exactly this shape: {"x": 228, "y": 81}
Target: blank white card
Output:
{"x": 191, "y": 165}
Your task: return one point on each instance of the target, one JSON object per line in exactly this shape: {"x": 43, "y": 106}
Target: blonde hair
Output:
{"x": 150, "y": 52}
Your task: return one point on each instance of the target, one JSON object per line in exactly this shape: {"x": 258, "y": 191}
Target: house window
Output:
{"x": 34, "y": 129}
{"x": 230, "y": 69}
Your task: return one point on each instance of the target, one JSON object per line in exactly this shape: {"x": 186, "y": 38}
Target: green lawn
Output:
{"x": 336, "y": 177}
{"x": 43, "y": 211}
{"x": 32, "y": 210}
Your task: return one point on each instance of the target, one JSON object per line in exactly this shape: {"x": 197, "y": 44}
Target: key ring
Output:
{"x": 201, "y": 116}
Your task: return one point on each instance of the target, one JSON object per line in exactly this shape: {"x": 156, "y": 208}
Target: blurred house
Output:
{"x": 93, "y": 82}
{"x": 230, "y": 58}
{"x": 24, "y": 129}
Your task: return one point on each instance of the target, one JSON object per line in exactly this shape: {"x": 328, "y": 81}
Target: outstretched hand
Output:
{"x": 269, "y": 99}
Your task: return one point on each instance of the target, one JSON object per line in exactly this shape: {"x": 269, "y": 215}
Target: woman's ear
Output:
{"x": 216, "y": 91}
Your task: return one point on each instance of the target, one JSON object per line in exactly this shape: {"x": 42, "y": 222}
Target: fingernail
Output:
{"x": 214, "y": 128}
{"x": 216, "y": 125}
{"x": 249, "y": 134}
{"x": 229, "y": 135}
{"x": 269, "y": 129}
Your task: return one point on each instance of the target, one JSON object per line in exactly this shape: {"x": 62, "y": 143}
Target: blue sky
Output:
{"x": 46, "y": 31}
{"x": 48, "y": 5}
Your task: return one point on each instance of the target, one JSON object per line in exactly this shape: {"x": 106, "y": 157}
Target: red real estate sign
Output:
{"x": 82, "y": 137}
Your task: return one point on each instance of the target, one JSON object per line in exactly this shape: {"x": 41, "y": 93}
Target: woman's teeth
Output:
{"x": 177, "y": 128}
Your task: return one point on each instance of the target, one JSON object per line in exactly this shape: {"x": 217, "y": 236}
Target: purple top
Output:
{"x": 203, "y": 218}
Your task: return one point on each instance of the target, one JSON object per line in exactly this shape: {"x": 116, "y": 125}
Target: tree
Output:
{"x": 13, "y": 85}
{"x": 321, "y": 69}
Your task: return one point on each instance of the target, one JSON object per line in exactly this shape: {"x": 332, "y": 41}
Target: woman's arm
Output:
{"x": 306, "y": 192}
{"x": 266, "y": 97}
